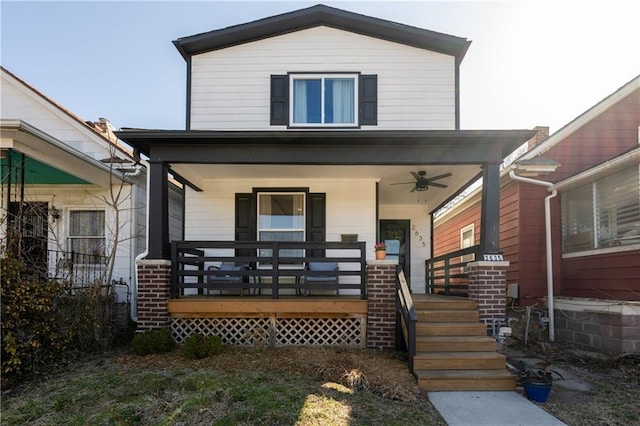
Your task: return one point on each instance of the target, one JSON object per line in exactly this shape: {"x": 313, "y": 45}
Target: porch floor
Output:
{"x": 264, "y": 306}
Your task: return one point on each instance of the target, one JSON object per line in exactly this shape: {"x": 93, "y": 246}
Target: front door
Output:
{"x": 30, "y": 231}
{"x": 399, "y": 229}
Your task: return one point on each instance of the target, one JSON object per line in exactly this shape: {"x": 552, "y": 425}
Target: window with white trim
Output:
{"x": 87, "y": 234}
{"x": 467, "y": 239}
{"x": 281, "y": 217}
{"x": 323, "y": 100}
{"x": 604, "y": 213}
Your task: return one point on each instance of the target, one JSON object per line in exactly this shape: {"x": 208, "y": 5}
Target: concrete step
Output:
{"x": 448, "y": 315}
{"x": 465, "y": 380}
{"x": 459, "y": 361}
{"x": 451, "y": 329}
{"x": 455, "y": 344}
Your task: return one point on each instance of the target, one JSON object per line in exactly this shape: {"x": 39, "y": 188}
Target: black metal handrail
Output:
{"x": 447, "y": 274}
{"x": 274, "y": 260}
{"x": 408, "y": 315}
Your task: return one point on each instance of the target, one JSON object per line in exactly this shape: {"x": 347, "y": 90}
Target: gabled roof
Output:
{"x": 321, "y": 15}
{"x": 93, "y": 128}
{"x": 584, "y": 118}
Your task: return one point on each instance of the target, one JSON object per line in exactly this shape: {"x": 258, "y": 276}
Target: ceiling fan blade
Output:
{"x": 415, "y": 175}
{"x": 401, "y": 183}
{"x": 413, "y": 189}
{"x": 437, "y": 185}
{"x": 442, "y": 176}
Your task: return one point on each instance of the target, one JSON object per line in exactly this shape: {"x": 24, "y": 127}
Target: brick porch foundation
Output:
{"x": 488, "y": 287}
{"x": 381, "y": 295}
{"x": 153, "y": 294}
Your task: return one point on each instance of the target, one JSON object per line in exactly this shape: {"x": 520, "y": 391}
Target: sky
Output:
{"x": 530, "y": 62}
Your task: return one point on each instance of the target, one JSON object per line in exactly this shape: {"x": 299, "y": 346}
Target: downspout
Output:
{"x": 134, "y": 287}
{"x": 547, "y": 225}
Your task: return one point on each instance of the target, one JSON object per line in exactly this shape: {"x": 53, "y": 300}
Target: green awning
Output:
{"x": 35, "y": 172}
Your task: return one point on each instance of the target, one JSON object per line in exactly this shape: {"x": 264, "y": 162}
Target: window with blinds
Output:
{"x": 604, "y": 213}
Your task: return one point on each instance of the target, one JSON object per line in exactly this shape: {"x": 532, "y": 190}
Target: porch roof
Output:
{"x": 308, "y": 147}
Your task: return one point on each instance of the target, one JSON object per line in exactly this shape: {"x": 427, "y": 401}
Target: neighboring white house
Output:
{"x": 58, "y": 173}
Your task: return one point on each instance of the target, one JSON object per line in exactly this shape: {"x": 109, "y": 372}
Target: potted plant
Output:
{"x": 538, "y": 379}
{"x": 381, "y": 250}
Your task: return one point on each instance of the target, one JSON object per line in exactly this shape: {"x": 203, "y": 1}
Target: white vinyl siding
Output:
{"x": 230, "y": 88}
{"x": 602, "y": 214}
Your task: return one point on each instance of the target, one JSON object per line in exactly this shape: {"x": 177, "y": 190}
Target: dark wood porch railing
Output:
{"x": 408, "y": 315}
{"x": 447, "y": 274}
{"x": 274, "y": 266}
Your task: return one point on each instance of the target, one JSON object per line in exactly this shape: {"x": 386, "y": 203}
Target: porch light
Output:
{"x": 54, "y": 213}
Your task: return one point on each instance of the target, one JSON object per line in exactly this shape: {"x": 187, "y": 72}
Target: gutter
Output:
{"x": 134, "y": 287}
{"x": 549, "y": 254}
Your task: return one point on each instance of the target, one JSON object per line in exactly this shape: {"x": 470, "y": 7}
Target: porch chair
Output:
{"x": 318, "y": 276}
{"x": 218, "y": 280}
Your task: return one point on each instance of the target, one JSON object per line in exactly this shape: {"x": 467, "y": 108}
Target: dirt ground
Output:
{"x": 611, "y": 395}
{"x": 597, "y": 389}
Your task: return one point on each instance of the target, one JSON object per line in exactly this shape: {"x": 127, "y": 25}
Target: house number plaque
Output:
{"x": 493, "y": 257}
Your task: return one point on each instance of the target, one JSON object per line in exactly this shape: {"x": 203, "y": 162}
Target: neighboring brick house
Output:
{"x": 595, "y": 226}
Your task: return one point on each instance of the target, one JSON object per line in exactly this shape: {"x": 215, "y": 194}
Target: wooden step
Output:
{"x": 428, "y": 302}
{"x": 448, "y": 315}
{"x": 459, "y": 361}
{"x": 451, "y": 329}
{"x": 455, "y": 344}
{"x": 451, "y": 380}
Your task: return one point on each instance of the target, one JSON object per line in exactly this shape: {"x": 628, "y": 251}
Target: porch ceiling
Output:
{"x": 266, "y": 175}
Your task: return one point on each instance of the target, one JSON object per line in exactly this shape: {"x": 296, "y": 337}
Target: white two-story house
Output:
{"x": 310, "y": 136}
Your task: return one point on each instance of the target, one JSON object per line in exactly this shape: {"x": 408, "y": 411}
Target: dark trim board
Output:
{"x": 321, "y": 15}
{"x": 366, "y": 147}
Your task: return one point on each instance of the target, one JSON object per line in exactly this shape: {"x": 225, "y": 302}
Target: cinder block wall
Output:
{"x": 609, "y": 333}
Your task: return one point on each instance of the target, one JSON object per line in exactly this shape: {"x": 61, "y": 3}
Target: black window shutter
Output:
{"x": 279, "y": 99}
{"x": 245, "y": 216}
{"x": 316, "y": 220}
{"x": 368, "y": 95}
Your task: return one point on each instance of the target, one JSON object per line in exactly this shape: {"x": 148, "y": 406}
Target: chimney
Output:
{"x": 542, "y": 133}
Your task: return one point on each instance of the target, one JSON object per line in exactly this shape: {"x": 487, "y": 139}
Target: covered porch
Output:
{"x": 348, "y": 174}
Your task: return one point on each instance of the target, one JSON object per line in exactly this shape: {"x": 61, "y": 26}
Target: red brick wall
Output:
{"x": 381, "y": 319}
{"x": 488, "y": 287}
{"x": 153, "y": 294}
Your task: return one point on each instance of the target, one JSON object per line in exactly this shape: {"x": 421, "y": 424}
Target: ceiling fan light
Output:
{"x": 421, "y": 188}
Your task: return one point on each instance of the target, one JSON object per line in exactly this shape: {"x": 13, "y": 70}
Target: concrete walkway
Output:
{"x": 489, "y": 408}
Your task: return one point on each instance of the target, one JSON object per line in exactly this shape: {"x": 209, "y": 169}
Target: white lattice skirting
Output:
{"x": 275, "y": 331}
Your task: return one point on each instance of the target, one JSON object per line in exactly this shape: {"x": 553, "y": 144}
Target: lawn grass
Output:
{"x": 106, "y": 391}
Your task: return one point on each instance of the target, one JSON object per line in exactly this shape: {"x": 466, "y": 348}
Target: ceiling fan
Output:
{"x": 422, "y": 183}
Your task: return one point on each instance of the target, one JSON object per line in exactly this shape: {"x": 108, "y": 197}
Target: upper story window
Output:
{"x": 323, "y": 100}
{"x": 339, "y": 100}
{"x": 604, "y": 213}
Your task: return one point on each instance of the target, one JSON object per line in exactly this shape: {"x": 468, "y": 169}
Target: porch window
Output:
{"x": 323, "y": 100}
{"x": 281, "y": 217}
{"x": 604, "y": 213}
{"x": 87, "y": 234}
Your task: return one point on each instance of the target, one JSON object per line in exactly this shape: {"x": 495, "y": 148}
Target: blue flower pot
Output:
{"x": 538, "y": 392}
